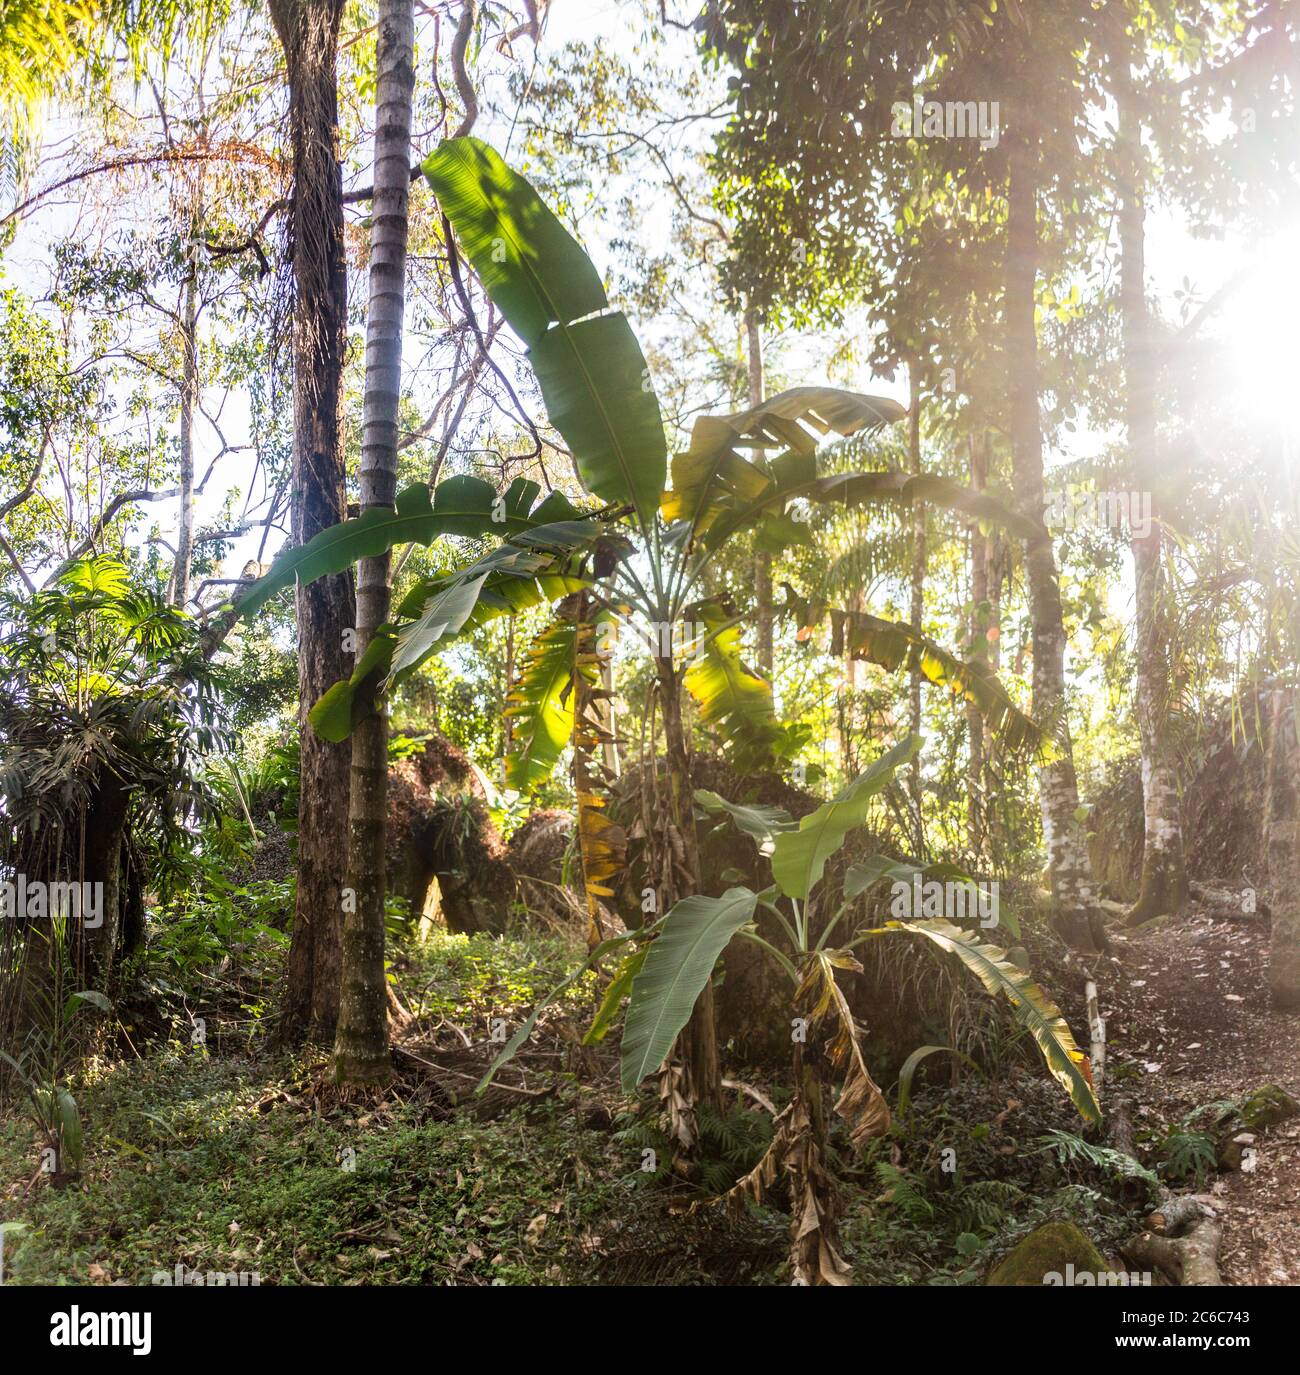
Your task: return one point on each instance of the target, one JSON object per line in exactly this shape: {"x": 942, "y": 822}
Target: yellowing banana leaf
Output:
{"x": 732, "y": 698}
{"x": 541, "y": 706}
{"x": 711, "y": 480}
{"x": 895, "y": 645}
{"x": 1033, "y": 1009}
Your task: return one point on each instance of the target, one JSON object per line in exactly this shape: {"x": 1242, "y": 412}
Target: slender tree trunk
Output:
{"x": 361, "y": 1046}
{"x": 918, "y": 599}
{"x": 1164, "y": 874}
{"x": 1077, "y": 917}
{"x": 1282, "y": 847}
{"x": 189, "y": 404}
{"x": 762, "y": 559}
{"x": 977, "y": 831}
{"x": 308, "y": 31}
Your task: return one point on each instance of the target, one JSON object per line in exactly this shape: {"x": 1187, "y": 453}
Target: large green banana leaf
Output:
{"x": 461, "y": 505}
{"x": 761, "y": 823}
{"x": 589, "y": 365}
{"x": 1033, "y": 1009}
{"x": 680, "y": 961}
{"x": 799, "y": 856}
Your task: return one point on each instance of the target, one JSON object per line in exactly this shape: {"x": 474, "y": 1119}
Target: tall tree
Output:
{"x": 784, "y": 162}
{"x": 361, "y": 1046}
{"x": 1067, "y": 850}
{"x": 180, "y": 582}
{"x": 917, "y": 606}
{"x": 1164, "y": 874}
{"x": 308, "y": 31}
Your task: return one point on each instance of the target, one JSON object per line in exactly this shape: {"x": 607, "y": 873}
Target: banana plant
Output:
{"x": 637, "y": 555}
{"x": 663, "y": 979}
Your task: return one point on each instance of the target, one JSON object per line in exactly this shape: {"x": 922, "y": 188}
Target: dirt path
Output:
{"x": 1189, "y": 1010}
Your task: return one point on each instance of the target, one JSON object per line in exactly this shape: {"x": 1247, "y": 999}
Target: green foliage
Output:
{"x": 1033, "y": 1009}
{"x": 593, "y": 376}
{"x": 680, "y": 962}
{"x": 1071, "y": 1149}
{"x": 799, "y": 856}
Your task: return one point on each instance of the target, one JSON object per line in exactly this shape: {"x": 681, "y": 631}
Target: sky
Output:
{"x": 1259, "y": 317}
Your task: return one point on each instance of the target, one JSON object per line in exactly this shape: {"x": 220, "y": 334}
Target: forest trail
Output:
{"x": 1190, "y": 1012}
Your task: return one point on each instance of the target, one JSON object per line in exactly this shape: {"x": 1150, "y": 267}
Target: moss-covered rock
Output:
{"x": 1055, "y": 1248}
{"x": 1268, "y": 1106}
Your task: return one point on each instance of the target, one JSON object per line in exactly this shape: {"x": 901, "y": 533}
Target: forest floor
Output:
{"x": 235, "y": 1160}
{"x": 1189, "y": 1019}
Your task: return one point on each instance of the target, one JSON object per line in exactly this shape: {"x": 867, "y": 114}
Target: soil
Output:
{"x": 1187, "y": 1016}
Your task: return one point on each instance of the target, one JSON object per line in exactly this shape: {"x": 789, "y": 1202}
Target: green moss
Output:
{"x": 1049, "y": 1248}
{"x": 1268, "y": 1106}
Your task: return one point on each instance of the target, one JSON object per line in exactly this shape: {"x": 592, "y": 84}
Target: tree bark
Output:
{"x": 1164, "y": 875}
{"x": 1077, "y": 917}
{"x": 189, "y": 404}
{"x": 361, "y": 1045}
{"x": 976, "y": 827}
{"x": 918, "y": 601}
{"x": 763, "y": 618}
{"x": 1282, "y": 847}
{"x": 324, "y": 609}
{"x": 105, "y": 833}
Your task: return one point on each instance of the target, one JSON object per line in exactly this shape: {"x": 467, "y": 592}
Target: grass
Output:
{"x": 237, "y": 1164}
{"x": 233, "y": 1165}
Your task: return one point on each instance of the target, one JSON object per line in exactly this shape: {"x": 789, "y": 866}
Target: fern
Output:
{"x": 905, "y": 1193}
{"x": 985, "y": 1203}
{"x": 1074, "y": 1150}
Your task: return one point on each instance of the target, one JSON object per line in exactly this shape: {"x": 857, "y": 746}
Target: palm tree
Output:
{"x": 361, "y": 1045}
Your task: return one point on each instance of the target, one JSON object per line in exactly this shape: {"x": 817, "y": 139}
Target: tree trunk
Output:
{"x": 105, "y": 833}
{"x": 1282, "y": 847}
{"x": 189, "y": 404}
{"x": 699, "y": 1042}
{"x": 762, "y": 559}
{"x": 977, "y": 830}
{"x": 1077, "y": 918}
{"x": 1164, "y": 875}
{"x": 308, "y": 31}
{"x": 361, "y": 1046}
{"x": 918, "y": 601}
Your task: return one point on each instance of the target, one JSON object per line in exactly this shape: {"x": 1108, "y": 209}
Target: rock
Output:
{"x": 1232, "y": 1151}
{"x": 1049, "y": 1250}
{"x": 1268, "y": 1106}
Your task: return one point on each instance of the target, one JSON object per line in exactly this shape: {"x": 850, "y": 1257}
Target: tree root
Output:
{"x": 1190, "y": 1259}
